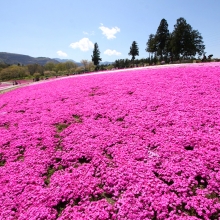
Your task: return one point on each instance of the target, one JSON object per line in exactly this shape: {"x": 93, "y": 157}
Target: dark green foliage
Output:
{"x": 120, "y": 119}
{"x": 189, "y": 147}
{"x": 161, "y": 37}
{"x": 168, "y": 182}
{"x": 213, "y": 195}
{"x": 190, "y": 212}
{"x": 61, "y": 126}
{"x": 134, "y": 51}
{"x": 104, "y": 195}
{"x": 202, "y": 182}
{"x": 183, "y": 42}
{"x": 35, "y": 68}
{"x": 96, "y": 55}
{"x": 126, "y": 63}
{"x": 155, "y": 215}
{"x": 60, "y": 207}
{"x": 20, "y": 158}
{"x": 168, "y": 47}
{"x": 83, "y": 160}
{"x": 13, "y": 72}
{"x": 158, "y": 44}
{"x": 21, "y": 151}
{"x": 151, "y": 44}
{"x": 5, "y": 125}
{"x": 122, "y": 63}
{"x": 215, "y": 216}
{"x": 108, "y": 155}
{"x": 186, "y": 41}
{"x": 77, "y": 118}
{"x": 49, "y": 173}
{"x": 2, "y": 161}
{"x": 3, "y": 65}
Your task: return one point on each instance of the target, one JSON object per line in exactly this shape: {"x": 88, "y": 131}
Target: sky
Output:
{"x": 68, "y": 29}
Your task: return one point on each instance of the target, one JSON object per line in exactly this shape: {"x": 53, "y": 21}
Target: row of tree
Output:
{"x": 182, "y": 43}
{"x": 36, "y": 71}
{"x": 126, "y": 63}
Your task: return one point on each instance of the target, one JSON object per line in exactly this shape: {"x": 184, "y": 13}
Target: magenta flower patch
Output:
{"x": 138, "y": 144}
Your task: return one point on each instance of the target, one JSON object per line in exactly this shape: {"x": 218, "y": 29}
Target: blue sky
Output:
{"x": 68, "y": 29}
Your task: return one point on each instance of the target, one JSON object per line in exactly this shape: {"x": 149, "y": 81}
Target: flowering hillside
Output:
{"x": 141, "y": 144}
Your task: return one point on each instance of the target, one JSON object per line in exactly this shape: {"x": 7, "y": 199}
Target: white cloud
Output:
{"x": 86, "y": 33}
{"x": 61, "y": 53}
{"x": 109, "y": 33}
{"x": 112, "y": 52}
{"x": 84, "y": 44}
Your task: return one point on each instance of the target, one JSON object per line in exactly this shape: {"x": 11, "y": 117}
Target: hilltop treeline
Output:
{"x": 37, "y": 71}
{"x": 183, "y": 43}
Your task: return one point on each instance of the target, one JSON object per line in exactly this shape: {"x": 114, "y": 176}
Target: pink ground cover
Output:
{"x": 141, "y": 144}
{"x": 9, "y": 84}
{"x": 2, "y": 85}
{"x": 22, "y": 81}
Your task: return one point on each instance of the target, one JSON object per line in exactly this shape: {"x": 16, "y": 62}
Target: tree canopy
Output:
{"x": 183, "y": 41}
{"x": 186, "y": 41}
{"x": 134, "y": 51}
{"x": 161, "y": 37}
{"x": 151, "y": 44}
{"x": 96, "y": 55}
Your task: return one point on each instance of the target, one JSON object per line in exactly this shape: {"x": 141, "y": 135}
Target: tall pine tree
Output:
{"x": 151, "y": 45}
{"x": 161, "y": 37}
{"x": 134, "y": 51}
{"x": 96, "y": 55}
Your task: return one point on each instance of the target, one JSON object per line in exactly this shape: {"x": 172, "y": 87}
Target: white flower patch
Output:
{"x": 152, "y": 154}
{"x": 3, "y": 113}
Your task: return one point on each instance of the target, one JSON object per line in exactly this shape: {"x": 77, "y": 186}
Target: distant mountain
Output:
{"x": 105, "y": 63}
{"x": 78, "y": 63}
{"x": 66, "y": 60}
{"x": 13, "y": 58}
{"x": 63, "y": 60}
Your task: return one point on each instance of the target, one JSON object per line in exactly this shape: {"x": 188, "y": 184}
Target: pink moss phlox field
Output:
{"x": 139, "y": 144}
